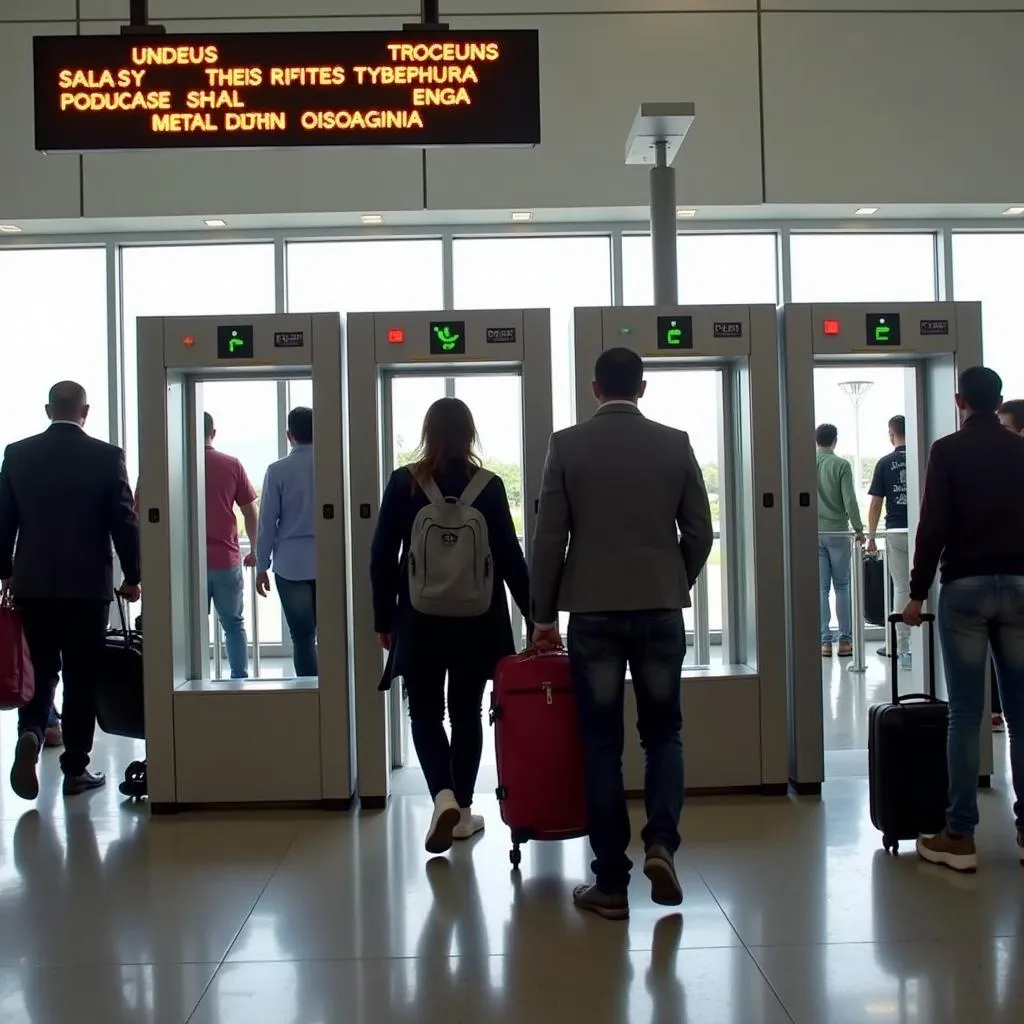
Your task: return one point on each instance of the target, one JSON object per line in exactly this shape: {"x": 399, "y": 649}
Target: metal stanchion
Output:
{"x": 857, "y": 602}
{"x": 701, "y": 622}
{"x": 887, "y": 591}
{"x": 255, "y": 623}
{"x": 217, "y": 655}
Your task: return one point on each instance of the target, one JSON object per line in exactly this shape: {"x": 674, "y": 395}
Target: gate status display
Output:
{"x": 276, "y": 90}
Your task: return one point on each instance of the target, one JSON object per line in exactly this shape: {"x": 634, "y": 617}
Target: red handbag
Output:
{"x": 17, "y": 680}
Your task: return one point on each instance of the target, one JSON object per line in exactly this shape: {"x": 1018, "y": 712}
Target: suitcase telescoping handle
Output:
{"x": 932, "y": 694}
{"x": 122, "y": 611}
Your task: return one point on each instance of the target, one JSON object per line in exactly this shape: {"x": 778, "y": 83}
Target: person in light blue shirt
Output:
{"x": 286, "y": 539}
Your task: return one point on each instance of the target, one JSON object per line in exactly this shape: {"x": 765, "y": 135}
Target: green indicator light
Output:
{"x": 447, "y": 337}
{"x": 674, "y": 335}
{"x": 235, "y": 342}
{"x": 882, "y": 333}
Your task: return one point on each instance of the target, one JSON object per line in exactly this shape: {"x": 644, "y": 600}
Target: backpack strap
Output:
{"x": 432, "y": 491}
{"x": 477, "y": 482}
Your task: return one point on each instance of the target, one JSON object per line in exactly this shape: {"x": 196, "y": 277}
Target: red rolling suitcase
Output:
{"x": 538, "y": 747}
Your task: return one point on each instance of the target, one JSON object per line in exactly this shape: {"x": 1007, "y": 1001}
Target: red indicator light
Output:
{"x": 831, "y": 327}
{"x": 395, "y": 335}
{"x": 188, "y": 341}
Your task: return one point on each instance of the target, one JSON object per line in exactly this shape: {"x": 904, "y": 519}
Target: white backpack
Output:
{"x": 451, "y": 570}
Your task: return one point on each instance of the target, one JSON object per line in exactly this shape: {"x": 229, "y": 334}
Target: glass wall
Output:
{"x": 188, "y": 280}
{"x": 53, "y": 326}
{"x": 364, "y": 277}
{"x": 712, "y": 269}
{"x": 869, "y": 267}
{"x": 548, "y": 273}
{"x": 989, "y": 268}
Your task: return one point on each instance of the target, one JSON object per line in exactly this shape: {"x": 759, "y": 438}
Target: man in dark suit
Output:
{"x": 63, "y": 497}
{"x": 624, "y": 530}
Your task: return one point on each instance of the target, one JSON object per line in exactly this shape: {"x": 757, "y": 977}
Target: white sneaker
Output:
{"x": 468, "y": 826}
{"x": 446, "y": 818}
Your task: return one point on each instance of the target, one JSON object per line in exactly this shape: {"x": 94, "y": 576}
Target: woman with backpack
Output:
{"x": 444, "y": 548}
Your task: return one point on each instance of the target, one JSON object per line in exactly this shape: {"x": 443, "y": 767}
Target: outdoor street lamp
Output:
{"x": 855, "y": 390}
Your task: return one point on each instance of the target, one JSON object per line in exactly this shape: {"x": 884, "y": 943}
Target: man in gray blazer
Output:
{"x": 623, "y": 531}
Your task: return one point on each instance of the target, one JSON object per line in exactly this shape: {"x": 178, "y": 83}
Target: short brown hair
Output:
{"x": 1014, "y": 412}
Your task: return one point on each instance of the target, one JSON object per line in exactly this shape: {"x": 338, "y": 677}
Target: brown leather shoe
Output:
{"x": 957, "y": 853}
{"x": 845, "y": 649}
{"x": 53, "y": 737}
{"x": 826, "y": 650}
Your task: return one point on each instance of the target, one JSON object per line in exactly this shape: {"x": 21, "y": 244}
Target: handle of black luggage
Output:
{"x": 122, "y": 612}
{"x": 894, "y": 620}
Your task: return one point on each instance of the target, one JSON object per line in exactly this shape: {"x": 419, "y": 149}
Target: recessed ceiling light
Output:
{"x": 522, "y": 215}
{"x": 1013, "y": 211}
{"x": 9, "y": 229}
{"x": 681, "y": 212}
{"x": 866, "y": 211}
{"x": 215, "y": 222}
{"x": 372, "y": 218}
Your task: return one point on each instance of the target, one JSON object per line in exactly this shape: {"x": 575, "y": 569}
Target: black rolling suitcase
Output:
{"x": 120, "y": 697}
{"x": 908, "y": 778}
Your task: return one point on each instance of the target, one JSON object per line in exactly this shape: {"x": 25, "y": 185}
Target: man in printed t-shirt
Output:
{"x": 889, "y": 484}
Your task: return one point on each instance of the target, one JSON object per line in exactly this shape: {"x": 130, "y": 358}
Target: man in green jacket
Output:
{"x": 837, "y": 511}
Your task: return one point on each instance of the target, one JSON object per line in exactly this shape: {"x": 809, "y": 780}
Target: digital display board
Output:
{"x": 883, "y": 330}
{"x": 234, "y": 341}
{"x": 248, "y": 90}
{"x": 447, "y": 337}
{"x": 675, "y": 332}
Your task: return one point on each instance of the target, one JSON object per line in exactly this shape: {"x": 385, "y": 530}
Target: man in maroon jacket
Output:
{"x": 970, "y": 523}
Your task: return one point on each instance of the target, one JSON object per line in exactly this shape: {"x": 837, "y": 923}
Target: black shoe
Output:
{"x": 75, "y": 784}
{"x": 882, "y": 652}
{"x": 24, "y": 780}
{"x": 610, "y": 906}
{"x": 660, "y": 870}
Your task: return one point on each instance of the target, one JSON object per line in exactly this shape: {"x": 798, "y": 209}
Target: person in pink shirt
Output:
{"x": 227, "y": 486}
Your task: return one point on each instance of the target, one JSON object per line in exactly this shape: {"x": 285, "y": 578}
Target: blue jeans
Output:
{"x": 653, "y": 645}
{"x": 975, "y": 615}
{"x": 834, "y": 571}
{"x": 225, "y": 588}
{"x": 298, "y": 602}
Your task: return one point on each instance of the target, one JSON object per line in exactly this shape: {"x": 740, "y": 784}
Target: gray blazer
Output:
{"x": 615, "y": 489}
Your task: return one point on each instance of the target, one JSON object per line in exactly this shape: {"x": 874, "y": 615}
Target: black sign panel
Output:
{"x": 883, "y": 330}
{"x": 234, "y": 342}
{"x": 447, "y": 337}
{"x": 501, "y": 336}
{"x": 289, "y": 339}
{"x": 728, "y": 329}
{"x": 931, "y": 328}
{"x": 247, "y": 90}
{"x": 675, "y": 332}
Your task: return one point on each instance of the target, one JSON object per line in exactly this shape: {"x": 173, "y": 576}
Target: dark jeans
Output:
{"x": 447, "y": 766}
{"x": 652, "y": 644}
{"x": 298, "y": 602}
{"x": 68, "y": 636}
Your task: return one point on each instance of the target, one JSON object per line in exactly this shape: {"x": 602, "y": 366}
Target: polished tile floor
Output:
{"x": 792, "y": 914}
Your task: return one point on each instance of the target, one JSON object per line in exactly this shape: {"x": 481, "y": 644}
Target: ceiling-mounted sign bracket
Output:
{"x": 430, "y": 18}
{"x": 138, "y": 21}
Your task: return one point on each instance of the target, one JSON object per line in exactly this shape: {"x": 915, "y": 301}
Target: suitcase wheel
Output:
{"x": 891, "y": 845}
{"x": 515, "y": 856}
